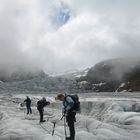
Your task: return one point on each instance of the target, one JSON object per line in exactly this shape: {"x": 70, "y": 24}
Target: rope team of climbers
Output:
{"x": 71, "y": 105}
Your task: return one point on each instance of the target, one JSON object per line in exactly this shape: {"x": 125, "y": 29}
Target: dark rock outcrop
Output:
{"x": 108, "y": 76}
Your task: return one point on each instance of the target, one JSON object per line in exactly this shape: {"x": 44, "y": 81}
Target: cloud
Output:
{"x": 60, "y": 35}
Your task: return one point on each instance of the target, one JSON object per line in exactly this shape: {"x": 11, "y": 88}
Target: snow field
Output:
{"x": 100, "y": 119}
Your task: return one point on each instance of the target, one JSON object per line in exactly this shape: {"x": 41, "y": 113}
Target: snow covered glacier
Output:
{"x": 103, "y": 117}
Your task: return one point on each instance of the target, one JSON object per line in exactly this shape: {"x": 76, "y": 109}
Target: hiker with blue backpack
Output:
{"x": 71, "y": 106}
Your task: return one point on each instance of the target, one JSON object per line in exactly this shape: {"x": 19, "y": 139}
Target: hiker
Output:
{"x": 69, "y": 112}
{"x": 28, "y": 105}
{"x": 40, "y": 106}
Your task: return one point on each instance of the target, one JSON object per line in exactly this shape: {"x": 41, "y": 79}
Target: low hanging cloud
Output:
{"x": 60, "y": 35}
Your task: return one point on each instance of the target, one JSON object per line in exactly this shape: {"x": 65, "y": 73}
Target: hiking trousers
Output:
{"x": 70, "y": 118}
{"x": 41, "y": 115}
{"x": 29, "y": 110}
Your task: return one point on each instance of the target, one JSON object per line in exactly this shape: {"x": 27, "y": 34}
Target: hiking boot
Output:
{"x": 69, "y": 138}
{"x": 42, "y": 120}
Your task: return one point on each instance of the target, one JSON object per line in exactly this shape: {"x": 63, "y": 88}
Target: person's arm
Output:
{"x": 46, "y": 103}
{"x": 69, "y": 103}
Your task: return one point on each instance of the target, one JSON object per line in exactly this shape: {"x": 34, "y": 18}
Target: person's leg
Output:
{"x": 27, "y": 109}
{"x": 41, "y": 115}
{"x": 30, "y": 110}
{"x": 72, "y": 130}
{"x": 70, "y": 120}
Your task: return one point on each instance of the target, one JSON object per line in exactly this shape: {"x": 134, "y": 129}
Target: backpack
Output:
{"x": 41, "y": 104}
{"x": 76, "y": 106}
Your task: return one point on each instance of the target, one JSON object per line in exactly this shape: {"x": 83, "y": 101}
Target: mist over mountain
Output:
{"x": 20, "y": 74}
{"x": 60, "y": 35}
{"x": 107, "y": 76}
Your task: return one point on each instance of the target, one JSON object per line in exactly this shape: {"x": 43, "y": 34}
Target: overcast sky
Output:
{"x": 59, "y": 35}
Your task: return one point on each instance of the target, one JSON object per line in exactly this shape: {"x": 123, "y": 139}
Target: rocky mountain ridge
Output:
{"x": 114, "y": 75}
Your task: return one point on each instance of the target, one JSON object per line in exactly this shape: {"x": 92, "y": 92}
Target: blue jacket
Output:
{"x": 68, "y": 103}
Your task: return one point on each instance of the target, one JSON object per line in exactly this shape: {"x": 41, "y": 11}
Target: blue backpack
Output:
{"x": 75, "y": 98}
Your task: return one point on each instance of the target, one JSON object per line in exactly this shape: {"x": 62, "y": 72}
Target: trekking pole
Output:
{"x": 53, "y": 128}
{"x": 65, "y": 127}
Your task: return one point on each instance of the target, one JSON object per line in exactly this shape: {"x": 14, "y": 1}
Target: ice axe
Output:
{"x": 54, "y": 123}
{"x": 53, "y": 128}
{"x": 62, "y": 116}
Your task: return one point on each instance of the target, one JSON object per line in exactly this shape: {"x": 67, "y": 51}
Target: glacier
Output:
{"x": 103, "y": 116}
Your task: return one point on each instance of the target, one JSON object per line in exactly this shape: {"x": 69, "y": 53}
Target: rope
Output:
{"x": 49, "y": 131}
{"x": 44, "y": 128}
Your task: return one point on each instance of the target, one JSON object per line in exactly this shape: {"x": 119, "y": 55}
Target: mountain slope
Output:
{"x": 106, "y": 76}
{"x": 110, "y": 74}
